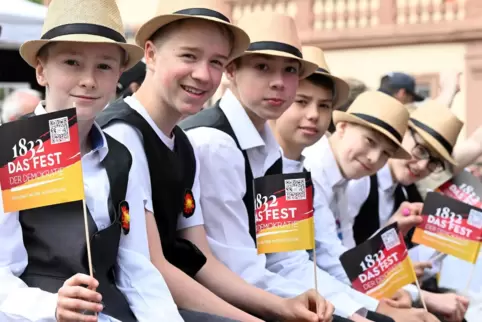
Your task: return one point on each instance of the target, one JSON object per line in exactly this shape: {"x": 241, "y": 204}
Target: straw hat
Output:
{"x": 90, "y": 21}
{"x": 342, "y": 89}
{"x": 438, "y": 126}
{"x": 275, "y": 35}
{"x": 210, "y": 10}
{"x": 410, "y": 107}
{"x": 380, "y": 112}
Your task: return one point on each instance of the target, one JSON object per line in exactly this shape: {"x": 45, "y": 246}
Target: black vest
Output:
{"x": 215, "y": 118}
{"x": 172, "y": 174}
{"x": 367, "y": 222}
{"x": 54, "y": 237}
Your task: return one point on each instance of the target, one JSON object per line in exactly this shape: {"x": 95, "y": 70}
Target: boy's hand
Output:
{"x": 452, "y": 306}
{"x": 74, "y": 298}
{"x": 406, "y": 315}
{"x": 420, "y": 268}
{"x": 401, "y": 300}
{"x": 304, "y": 308}
{"x": 407, "y": 216}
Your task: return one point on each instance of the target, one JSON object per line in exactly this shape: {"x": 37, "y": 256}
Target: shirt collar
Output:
{"x": 96, "y": 135}
{"x": 245, "y": 131}
{"x": 385, "y": 179}
{"x": 330, "y": 166}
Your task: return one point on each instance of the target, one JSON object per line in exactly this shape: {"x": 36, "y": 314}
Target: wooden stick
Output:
{"x": 87, "y": 238}
{"x": 418, "y": 285}
{"x": 315, "y": 266}
{"x": 467, "y": 287}
{"x": 421, "y": 295}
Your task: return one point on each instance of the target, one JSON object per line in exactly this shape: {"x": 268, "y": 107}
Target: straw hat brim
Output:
{"x": 29, "y": 50}
{"x": 145, "y": 32}
{"x": 342, "y": 89}
{"x": 307, "y": 67}
{"x": 340, "y": 116}
{"x": 433, "y": 143}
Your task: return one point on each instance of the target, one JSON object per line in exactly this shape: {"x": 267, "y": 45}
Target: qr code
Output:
{"x": 390, "y": 239}
{"x": 59, "y": 130}
{"x": 295, "y": 189}
{"x": 475, "y": 219}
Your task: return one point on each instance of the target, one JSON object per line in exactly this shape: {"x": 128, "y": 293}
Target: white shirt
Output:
{"x": 358, "y": 192}
{"x": 330, "y": 210}
{"x": 333, "y": 232}
{"x": 222, "y": 176}
{"x": 132, "y": 138}
{"x": 139, "y": 281}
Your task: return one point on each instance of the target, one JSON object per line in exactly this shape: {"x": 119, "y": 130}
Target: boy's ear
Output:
{"x": 40, "y": 73}
{"x": 150, "y": 51}
{"x": 230, "y": 70}
{"x": 341, "y": 128}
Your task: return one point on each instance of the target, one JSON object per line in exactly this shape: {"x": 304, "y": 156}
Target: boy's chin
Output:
{"x": 189, "y": 109}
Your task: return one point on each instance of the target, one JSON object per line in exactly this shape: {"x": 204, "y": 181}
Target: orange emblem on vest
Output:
{"x": 125, "y": 217}
{"x": 189, "y": 204}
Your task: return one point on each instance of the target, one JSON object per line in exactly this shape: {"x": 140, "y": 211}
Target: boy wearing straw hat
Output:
{"x": 234, "y": 132}
{"x": 187, "y": 47}
{"x": 303, "y": 124}
{"x": 431, "y": 136}
{"x": 43, "y": 270}
{"x": 366, "y": 135}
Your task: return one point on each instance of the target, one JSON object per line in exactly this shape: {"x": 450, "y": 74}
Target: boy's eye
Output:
{"x": 292, "y": 70}
{"x": 302, "y": 102}
{"x": 262, "y": 67}
{"x": 369, "y": 141}
{"x": 104, "y": 66}
{"x": 325, "y": 106}
{"x": 71, "y": 62}
{"x": 217, "y": 62}
{"x": 189, "y": 56}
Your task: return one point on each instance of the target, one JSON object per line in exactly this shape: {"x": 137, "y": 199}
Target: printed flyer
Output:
{"x": 284, "y": 212}
{"x": 450, "y": 226}
{"x": 380, "y": 266}
{"x": 40, "y": 161}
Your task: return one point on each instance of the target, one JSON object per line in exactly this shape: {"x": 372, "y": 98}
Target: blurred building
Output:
{"x": 365, "y": 39}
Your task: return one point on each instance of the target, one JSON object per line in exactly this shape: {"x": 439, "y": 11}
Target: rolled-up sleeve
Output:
{"x": 138, "y": 279}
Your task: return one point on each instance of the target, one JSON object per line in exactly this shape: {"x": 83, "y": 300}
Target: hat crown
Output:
{"x": 382, "y": 107}
{"x": 315, "y": 55}
{"x": 269, "y": 26}
{"x": 98, "y": 12}
{"x": 440, "y": 118}
{"x": 171, "y": 7}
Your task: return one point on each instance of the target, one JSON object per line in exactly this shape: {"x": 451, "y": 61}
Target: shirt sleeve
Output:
{"x": 137, "y": 278}
{"x": 328, "y": 246}
{"x": 197, "y": 218}
{"x": 18, "y": 302}
{"x": 221, "y": 176}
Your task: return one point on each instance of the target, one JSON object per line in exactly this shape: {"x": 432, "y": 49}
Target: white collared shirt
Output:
{"x": 132, "y": 139}
{"x": 136, "y": 277}
{"x": 222, "y": 177}
{"x": 330, "y": 214}
{"x": 358, "y": 192}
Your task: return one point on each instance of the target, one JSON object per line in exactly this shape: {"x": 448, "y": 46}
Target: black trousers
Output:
{"x": 193, "y": 316}
{"x": 377, "y": 317}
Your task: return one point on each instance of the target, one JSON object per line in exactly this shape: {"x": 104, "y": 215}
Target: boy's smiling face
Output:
{"x": 308, "y": 118}
{"x": 360, "y": 151}
{"x": 84, "y": 73}
{"x": 186, "y": 63}
{"x": 265, "y": 85}
{"x": 418, "y": 167}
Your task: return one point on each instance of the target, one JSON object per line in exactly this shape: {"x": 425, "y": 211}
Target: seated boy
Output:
{"x": 366, "y": 136}
{"x": 43, "y": 267}
{"x": 432, "y": 132}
